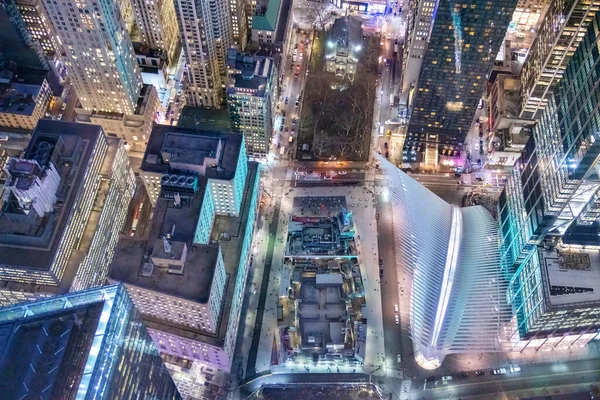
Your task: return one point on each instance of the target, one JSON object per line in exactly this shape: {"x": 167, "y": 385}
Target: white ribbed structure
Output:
{"x": 458, "y": 293}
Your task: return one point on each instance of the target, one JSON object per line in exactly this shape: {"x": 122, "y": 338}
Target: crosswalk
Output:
{"x": 405, "y": 390}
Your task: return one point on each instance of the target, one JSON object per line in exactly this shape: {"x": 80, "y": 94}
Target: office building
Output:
{"x": 24, "y": 95}
{"x": 463, "y": 44}
{"x": 99, "y": 55}
{"x": 419, "y": 20}
{"x": 157, "y": 24}
{"x": 265, "y": 22}
{"x": 562, "y": 28}
{"x": 456, "y": 285}
{"x": 549, "y": 214}
{"x": 188, "y": 280}
{"x": 35, "y": 20}
{"x": 134, "y": 128}
{"x": 84, "y": 345}
{"x": 65, "y": 204}
{"x": 250, "y": 90}
{"x": 220, "y": 157}
{"x": 205, "y": 45}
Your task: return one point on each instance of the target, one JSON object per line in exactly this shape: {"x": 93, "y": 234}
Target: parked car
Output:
{"x": 396, "y": 308}
{"x": 397, "y": 319}
{"x": 499, "y": 371}
{"x": 514, "y": 369}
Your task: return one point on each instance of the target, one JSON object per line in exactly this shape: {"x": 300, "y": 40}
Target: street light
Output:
{"x": 330, "y": 44}
{"x": 358, "y": 47}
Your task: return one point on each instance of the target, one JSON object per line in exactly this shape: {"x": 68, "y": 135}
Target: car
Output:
{"x": 377, "y": 215}
{"x": 479, "y": 373}
{"x": 287, "y": 99}
{"x": 396, "y": 308}
{"x": 514, "y": 369}
{"x": 446, "y": 379}
{"x": 297, "y": 103}
{"x": 327, "y": 178}
{"x": 398, "y": 358}
{"x": 463, "y": 375}
{"x": 385, "y": 145}
{"x": 397, "y": 319}
{"x": 499, "y": 371}
{"x": 380, "y": 261}
{"x": 296, "y": 74}
{"x": 309, "y": 172}
{"x": 381, "y": 272}
{"x": 342, "y": 172}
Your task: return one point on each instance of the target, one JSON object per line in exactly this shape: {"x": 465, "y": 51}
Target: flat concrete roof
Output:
{"x": 231, "y": 251}
{"x": 131, "y": 254}
{"x": 27, "y": 241}
{"x": 192, "y": 146}
{"x": 571, "y": 277}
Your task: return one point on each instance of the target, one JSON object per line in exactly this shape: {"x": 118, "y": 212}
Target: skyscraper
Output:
{"x": 157, "y": 23}
{"x": 464, "y": 41}
{"x": 250, "y": 91}
{"x": 65, "y": 204}
{"x": 562, "y": 28}
{"x": 84, "y": 345}
{"x": 549, "y": 213}
{"x": 206, "y": 34}
{"x": 99, "y": 55}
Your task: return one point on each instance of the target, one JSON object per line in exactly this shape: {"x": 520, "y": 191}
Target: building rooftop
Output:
{"x": 268, "y": 21}
{"x": 216, "y": 152}
{"x": 133, "y": 256}
{"x": 229, "y": 233}
{"x": 253, "y": 72}
{"x": 212, "y": 120}
{"x": 571, "y": 277}
{"x": 27, "y": 240}
{"x": 19, "y": 87}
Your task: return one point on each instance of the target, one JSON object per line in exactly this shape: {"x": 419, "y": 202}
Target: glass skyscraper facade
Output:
{"x": 562, "y": 28}
{"x": 549, "y": 210}
{"x": 465, "y": 39}
{"x": 84, "y": 345}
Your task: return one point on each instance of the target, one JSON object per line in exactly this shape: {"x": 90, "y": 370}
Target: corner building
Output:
{"x": 549, "y": 214}
{"x": 98, "y": 52}
{"x": 464, "y": 41}
{"x": 65, "y": 204}
{"x": 86, "y": 345}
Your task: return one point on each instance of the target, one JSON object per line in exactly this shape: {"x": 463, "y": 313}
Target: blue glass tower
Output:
{"x": 85, "y": 345}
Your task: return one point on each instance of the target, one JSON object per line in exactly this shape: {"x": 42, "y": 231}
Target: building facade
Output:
{"x": 250, "y": 91}
{"x": 562, "y": 28}
{"x": 89, "y": 344}
{"x": 206, "y": 34}
{"x": 35, "y": 19}
{"x": 157, "y": 23}
{"x": 99, "y": 56}
{"x": 66, "y": 206}
{"x": 134, "y": 128}
{"x": 464, "y": 41}
{"x": 549, "y": 213}
{"x": 24, "y": 96}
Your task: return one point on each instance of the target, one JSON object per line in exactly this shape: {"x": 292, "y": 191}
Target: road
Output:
{"x": 531, "y": 381}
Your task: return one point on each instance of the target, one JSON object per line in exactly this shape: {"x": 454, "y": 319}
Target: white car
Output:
{"x": 514, "y": 369}
{"x": 397, "y": 318}
{"x": 499, "y": 371}
{"x": 396, "y": 308}
{"x": 446, "y": 379}
{"x": 399, "y": 359}
{"x": 342, "y": 173}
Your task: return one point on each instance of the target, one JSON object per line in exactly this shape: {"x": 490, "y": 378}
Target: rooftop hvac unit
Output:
{"x": 147, "y": 269}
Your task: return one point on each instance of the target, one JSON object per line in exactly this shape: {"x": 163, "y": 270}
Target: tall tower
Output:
{"x": 464, "y": 42}
{"x": 99, "y": 55}
{"x": 206, "y": 34}
{"x": 561, "y": 31}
